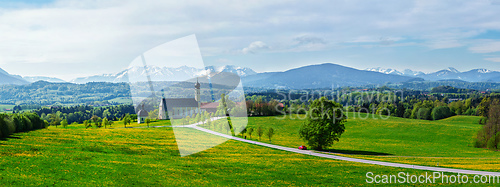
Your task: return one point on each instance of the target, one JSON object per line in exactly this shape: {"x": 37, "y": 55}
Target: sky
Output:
{"x": 75, "y": 38}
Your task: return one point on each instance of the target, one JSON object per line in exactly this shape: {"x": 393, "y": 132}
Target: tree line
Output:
{"x": 13, "y": 123}
{"x": 489, "y": 135}
{"x": 81, "y": 113}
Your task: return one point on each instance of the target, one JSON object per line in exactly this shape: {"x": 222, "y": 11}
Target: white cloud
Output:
{"x": 443, "y": 44}
{"x": 485, "y": 46}
{"x": 493, "y": 59}
{"x": 104, "y": 36}
{"x": 255, "y": 47}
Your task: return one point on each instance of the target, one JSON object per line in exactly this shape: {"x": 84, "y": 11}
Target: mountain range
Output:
{"x": 312, "y": 76}
{"x": 163, "y": 73}
{"x": 475, "y": 75}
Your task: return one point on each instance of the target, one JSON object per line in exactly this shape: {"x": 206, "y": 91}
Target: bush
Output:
{"x": 424, "y": 113}
{"x": 481, "y": 139}
{"x": 491, "y": 143}
{"x": 441, "y": 112}
{"x": 494, "y": 142}
{"x": 482, "y": 120}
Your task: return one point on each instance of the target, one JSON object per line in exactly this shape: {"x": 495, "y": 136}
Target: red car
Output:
{"x": 303, "y": 147}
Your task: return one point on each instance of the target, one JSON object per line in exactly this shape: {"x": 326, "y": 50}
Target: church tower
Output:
{"x": 197, "y": 95}
{"x": 162, "y": 111}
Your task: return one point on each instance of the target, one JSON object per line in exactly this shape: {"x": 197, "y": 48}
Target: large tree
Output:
{"x": 270, "y": 133}
{"x": 324, "y": 123}
{"x": 225, "y": 105}
{"x": 250, "y": 131}
{"x": 55, "y": 119}
{"x": 260, "y": 132}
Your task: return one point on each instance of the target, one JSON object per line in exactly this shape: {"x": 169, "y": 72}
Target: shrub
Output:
{"x": 45, "y": 124}
{"x": 64, "y": 123}
{"x": 482, "y": 120}
{"x": 491, "y": 143}
{"x": 423, "y": 113}
{"x": 481, "y": 139}
{"x": 441, "y": 112}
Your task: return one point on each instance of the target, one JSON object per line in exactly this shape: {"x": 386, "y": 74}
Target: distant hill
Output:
{"x": 42, "y": 78}
{"x": 450, "y": 89}
{"x": 320, "y": 76}
{"x": 6, "y": 78}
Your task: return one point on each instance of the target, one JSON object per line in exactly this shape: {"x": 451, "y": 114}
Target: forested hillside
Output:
{"x": 46, "y": 93}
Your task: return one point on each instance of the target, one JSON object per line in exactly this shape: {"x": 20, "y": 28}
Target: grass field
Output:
{"x": 148, "y": 157}
{"x": 445, "y": 143}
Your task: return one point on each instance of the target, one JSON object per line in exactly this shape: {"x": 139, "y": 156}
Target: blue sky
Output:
{"x": 73, "y": 38}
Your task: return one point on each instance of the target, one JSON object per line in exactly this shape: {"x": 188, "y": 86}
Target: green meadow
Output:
{"x": 76, "y": 156}
{"x": 149, "y": 157}
{"x": 444, "y": 143}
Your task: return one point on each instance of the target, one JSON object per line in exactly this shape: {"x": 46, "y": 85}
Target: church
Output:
{"x": 181, "y": 107}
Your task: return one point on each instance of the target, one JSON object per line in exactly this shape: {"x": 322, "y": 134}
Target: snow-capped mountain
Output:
{"x": 475, "y": 75}
{"x": 411, "y": 73}
{"x": 155, "y": 73}
{"x": 450, "y": 73}
{"x": 385, "y": 71}
{"x": 241, "y": 71}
